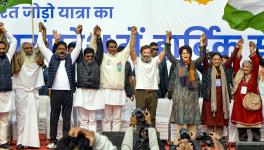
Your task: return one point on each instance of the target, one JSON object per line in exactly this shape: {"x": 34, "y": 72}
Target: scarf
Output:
{"x": 187, "y": 75}
{"x": 225, "y": 95}
{"x": 239, "y": 76}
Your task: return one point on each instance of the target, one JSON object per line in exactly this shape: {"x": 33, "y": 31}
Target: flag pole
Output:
{"x": 32, "y": 23}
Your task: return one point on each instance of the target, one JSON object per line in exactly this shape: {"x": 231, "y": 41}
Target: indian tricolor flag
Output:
{"x": 243, "y": 14}
{"x": 4, "y": 4}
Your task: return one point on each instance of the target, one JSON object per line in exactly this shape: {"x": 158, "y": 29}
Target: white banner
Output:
{"x": 186, "y": 20}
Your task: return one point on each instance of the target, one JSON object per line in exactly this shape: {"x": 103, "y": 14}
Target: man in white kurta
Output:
{"x": 112, "y": 77}
{"x": 26, "y": 84}
{"x": 6, "y": 100}
{"x": 88, "y": 98}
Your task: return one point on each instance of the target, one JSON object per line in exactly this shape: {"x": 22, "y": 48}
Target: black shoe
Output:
{"x": 6, "y": 146}
{"x": 20, "y": 146}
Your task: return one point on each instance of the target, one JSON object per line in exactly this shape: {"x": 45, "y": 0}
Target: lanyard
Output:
{"x": 244, "y": 81}
{"x": 216, "y": 72}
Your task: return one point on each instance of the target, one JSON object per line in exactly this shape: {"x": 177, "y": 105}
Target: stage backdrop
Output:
{"x": 186, "y": 19}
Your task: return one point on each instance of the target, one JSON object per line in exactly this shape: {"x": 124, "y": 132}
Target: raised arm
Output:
{"x": 252, "y": 45}
{"x": 99, "y": 44}
{"x": 200, "y": 59}
{"x": 56, "y": 36}
{"x": 44, "y": 36}
{"x": 203, "y": 44}
{"x": 236, "y": 62}
{"x": 163, "y": 53}
{"x": 169, "y": 55}
{"x": 44, "y": 50}
{"x": 261, "y": 60}
{"x": 236, "y": 52}
{"x": 13, "y": 42}
{"x": 76, "y": 51}
{"x": 133, "y": 53}
{"x": 254, "y": 58}
{"x": 203, "y": 67}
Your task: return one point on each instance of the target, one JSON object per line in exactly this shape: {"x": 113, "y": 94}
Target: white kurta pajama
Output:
{"x": 6, "y": 101}
{"x": 112, "y": 80}
{"x": 88, "y": 101}
{"x": 6, "y": 98}
{"x": 26, "y": 85}
{"x": 6, "y": 106}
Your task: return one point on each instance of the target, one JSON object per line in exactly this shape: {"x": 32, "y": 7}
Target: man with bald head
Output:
{"x": 6, "y": 103}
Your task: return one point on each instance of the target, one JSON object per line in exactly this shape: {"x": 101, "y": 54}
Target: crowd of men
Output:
{"x": 88, "y": 79}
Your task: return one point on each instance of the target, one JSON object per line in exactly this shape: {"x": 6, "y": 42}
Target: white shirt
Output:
{"x": 12, "y": 47}
{"x": 61, "y": 80}
{"x": 147, "y": 73}
{"x": 6, "y": 98}
{"x": 103, "y": 143}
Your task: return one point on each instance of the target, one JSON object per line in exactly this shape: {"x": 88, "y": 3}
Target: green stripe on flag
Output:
{"x": 241, "y": 20}
{"x": 4, "y": 4}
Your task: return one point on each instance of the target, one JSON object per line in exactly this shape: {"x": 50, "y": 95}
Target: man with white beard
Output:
{"x": 6, "y": 101}
{"x": 27, "y": 80}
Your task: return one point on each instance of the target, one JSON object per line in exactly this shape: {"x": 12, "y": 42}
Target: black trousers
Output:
{"x": 60, "y": 100}
{"x": 242, "y": 134}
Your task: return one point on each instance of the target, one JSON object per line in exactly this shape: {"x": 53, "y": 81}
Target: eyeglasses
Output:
{"x": 154, "y": 49}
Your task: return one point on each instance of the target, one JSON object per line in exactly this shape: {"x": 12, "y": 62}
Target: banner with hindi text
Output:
{"x": 186, "y": 20}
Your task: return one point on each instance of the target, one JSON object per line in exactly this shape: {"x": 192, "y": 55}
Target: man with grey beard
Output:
{"x": 146, "y": 69}
{"x": 27, "y": 80}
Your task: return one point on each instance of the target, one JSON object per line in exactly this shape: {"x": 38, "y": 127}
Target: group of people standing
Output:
{"x": 89, "y": 79}
{"x": 222, "y": 80}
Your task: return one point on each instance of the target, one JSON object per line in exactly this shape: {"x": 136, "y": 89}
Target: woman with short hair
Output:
{"x": 246, "y": 116}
